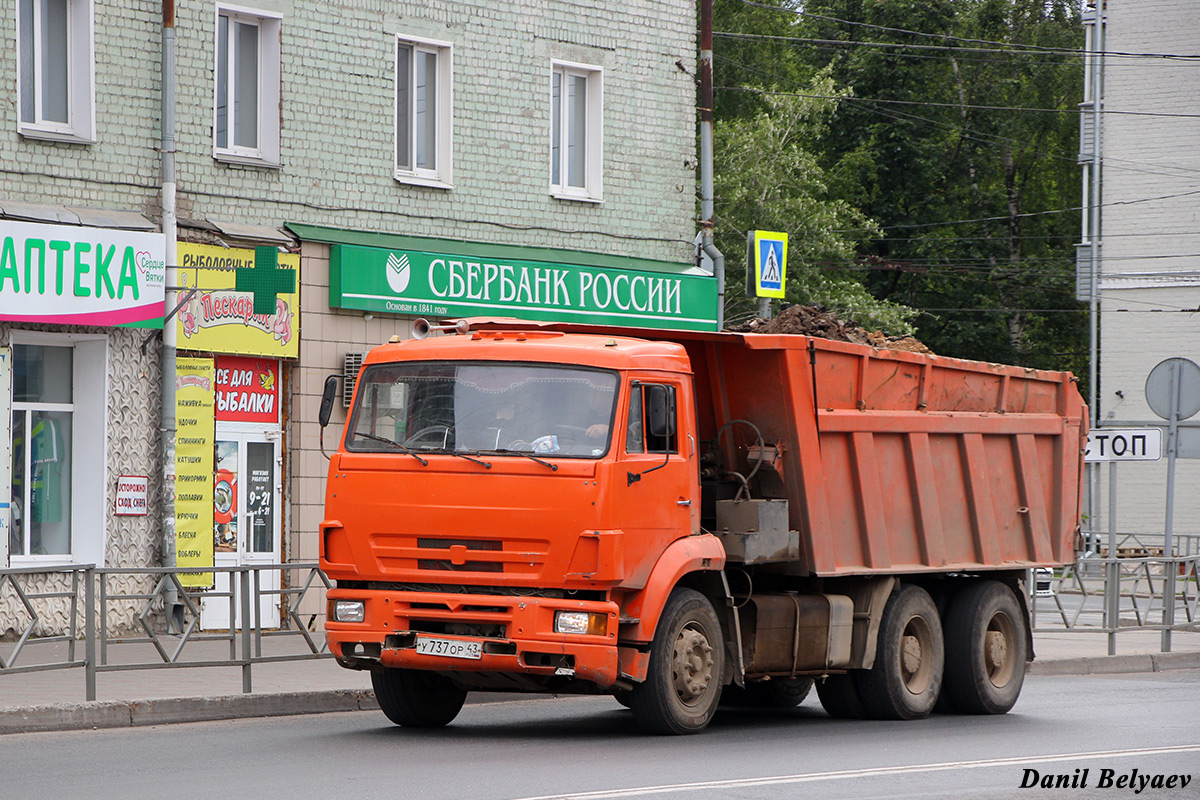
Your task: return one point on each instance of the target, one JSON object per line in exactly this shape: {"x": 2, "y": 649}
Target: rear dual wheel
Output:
{"x": 986, "y": 649}
{"x": 906, "y": 677}
{"x": 775, "y": 693}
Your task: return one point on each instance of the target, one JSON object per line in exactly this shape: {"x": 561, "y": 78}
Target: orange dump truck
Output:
{"x": 684, "y": 519}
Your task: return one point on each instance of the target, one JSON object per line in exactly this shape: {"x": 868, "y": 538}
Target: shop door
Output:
{"x": 247, "y": 525}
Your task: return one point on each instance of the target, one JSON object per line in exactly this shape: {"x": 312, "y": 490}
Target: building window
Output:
{"x": 423, "y": 112}
{"x": 56, "y": 85}
{"x": 57, "y": 501}
{"x": 246, "y": 103}
{"x": 576, "y": 131}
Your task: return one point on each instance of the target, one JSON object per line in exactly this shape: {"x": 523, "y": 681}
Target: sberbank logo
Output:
{"x": 398, "y": 272}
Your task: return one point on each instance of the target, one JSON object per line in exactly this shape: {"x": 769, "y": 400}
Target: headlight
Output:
{"x": 349, "y": 611}
{"x": 581, "y": 622}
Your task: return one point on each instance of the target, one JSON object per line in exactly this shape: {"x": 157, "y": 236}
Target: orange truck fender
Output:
{"x": 699, "y": 553}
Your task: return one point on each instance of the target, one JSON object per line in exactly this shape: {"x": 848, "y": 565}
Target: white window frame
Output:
{"x": 266, "y": 152}
{"x": 442, "y": 174}
{"x": 592, "y": 189}
{"x": 89, "y": 452}
{"x": 80, "y": 126}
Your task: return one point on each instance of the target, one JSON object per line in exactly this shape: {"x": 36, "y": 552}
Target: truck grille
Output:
{"x": 465, "y": 566}
{"x": 513, "y": 557}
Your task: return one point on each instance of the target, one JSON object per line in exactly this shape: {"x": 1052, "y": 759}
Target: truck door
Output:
{"x": 658, "y": 454}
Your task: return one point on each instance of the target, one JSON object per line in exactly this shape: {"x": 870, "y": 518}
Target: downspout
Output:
{"x": 174, "y": 609}
{"x": 706, "y": 156}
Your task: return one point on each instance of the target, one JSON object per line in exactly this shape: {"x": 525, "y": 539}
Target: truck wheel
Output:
{"x": 909, "y": 661}
{"x": 687, "y": 660}
{"x": 839, "y": 697}
{"x": 986, "y": 649}
{"x": 416, "y": 698}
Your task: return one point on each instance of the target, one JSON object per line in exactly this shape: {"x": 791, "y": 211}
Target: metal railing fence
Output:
{"x": 1136, "y": 588}
{"x": 28, "y": 589}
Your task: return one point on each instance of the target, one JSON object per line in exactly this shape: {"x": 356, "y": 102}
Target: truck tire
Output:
{"x": 839, "y": 697}
{"x": 687, "y": 660}
{"x": 775, "y": 693}
{"x": 910, "y": 657}
{"x": 416, "y": 698}
{"x": 986, "y": 649}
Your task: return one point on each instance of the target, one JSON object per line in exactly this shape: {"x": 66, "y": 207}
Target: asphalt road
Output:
{"x": 588, "y": 748}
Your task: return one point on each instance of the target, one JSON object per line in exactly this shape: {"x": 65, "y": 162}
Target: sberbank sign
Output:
{"x": 445, "y": 284}
{"x": 68, "y": 274}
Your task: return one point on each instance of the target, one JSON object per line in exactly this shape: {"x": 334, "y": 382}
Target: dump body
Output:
{"x": 903, "y": 462}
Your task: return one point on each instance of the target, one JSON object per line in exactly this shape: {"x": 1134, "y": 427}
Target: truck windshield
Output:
{"x": 497, "y": 408}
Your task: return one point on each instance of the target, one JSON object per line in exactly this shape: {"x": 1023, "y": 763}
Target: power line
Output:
{"x": 1009, "y": 46}
{"x": 984, "y": 137}
{"x": 1073, "y": 111}
{"x": 1024, "y": 215}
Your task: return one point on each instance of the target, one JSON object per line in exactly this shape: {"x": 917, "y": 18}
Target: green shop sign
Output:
{"x": 479, "y": 282}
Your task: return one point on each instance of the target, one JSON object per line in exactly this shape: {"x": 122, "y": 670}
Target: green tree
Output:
{"x": 926, "y": 139}
{"x": 768, "y": 179}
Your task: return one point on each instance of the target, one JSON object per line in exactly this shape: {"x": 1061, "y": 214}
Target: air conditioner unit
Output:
{"x": 351, "y": 364}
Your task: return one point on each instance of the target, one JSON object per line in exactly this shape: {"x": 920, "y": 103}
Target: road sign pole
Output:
{"x": 1168, "y": 537}
{"x": 1112, "y": 583}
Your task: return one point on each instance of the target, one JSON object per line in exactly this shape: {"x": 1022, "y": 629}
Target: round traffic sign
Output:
{"x": 1179, "y": 375}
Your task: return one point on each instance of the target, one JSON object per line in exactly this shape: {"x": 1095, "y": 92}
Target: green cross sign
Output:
{"x": 266, "y": 279}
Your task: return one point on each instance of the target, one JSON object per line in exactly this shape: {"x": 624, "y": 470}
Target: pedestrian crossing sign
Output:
{"x": 768, "y": 253}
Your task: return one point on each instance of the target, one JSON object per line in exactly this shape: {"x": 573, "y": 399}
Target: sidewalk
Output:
{"x": 54, "y": 700}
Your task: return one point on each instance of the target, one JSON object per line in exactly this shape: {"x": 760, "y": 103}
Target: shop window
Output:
{"x": 576, "y": 126}
{"x": 423, "y": 112}
{"x": 56, "y": 510}
{"x": 246, "y": 105}
{"x": 55, "y": 85}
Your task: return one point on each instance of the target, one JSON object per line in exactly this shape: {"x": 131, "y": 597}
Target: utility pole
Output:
{"x": 706, "y": 156}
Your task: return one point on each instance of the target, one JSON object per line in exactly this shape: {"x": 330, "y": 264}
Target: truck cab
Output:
{"x": 498, "y": 503}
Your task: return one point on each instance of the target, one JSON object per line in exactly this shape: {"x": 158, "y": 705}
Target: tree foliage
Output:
{"x": 903, "y": 160}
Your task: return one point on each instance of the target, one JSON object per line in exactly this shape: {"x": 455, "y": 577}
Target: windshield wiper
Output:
{"x": 507, "y": 452}
{"x": 469, "y": 456}
{"x": 395, "y": 444}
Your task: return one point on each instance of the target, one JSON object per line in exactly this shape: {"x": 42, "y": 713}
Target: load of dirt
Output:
{"x": 812, "y": 319}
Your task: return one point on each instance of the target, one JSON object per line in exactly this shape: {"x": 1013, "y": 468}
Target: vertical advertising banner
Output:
{"x": 195, "y": 380}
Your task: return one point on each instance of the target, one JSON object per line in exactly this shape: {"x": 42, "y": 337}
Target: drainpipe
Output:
{"x": 706, "y": 156}
{"x": 174, "y": 609}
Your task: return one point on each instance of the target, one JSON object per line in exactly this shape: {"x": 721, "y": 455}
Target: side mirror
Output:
{"x": 660, "y": 411}
{"x": 327, "y": 397}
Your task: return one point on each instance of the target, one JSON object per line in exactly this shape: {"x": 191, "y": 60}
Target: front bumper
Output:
{"x": 516, "y": 634}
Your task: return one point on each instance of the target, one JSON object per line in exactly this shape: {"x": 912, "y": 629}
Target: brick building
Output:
{"x": 410, "y": 151}
{"x": 1149, "y": 238}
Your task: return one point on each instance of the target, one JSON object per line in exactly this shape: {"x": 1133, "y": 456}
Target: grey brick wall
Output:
{"x": 1151, "y": 224}
{"x": 336, "y": 122}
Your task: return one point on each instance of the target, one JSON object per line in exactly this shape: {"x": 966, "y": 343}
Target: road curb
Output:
{"x": 136, "y": 713}
{"x": 139, "y": 713}
{"x": 1112, "y": 665}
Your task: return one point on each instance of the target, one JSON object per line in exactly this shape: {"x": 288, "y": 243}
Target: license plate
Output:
{"x": 450, "y": 648}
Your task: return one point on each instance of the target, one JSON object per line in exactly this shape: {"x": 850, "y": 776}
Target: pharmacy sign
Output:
{"x": 74, "y": 275}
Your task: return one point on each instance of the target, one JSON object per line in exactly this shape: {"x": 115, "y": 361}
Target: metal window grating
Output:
{"x": 351, "y": 364}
